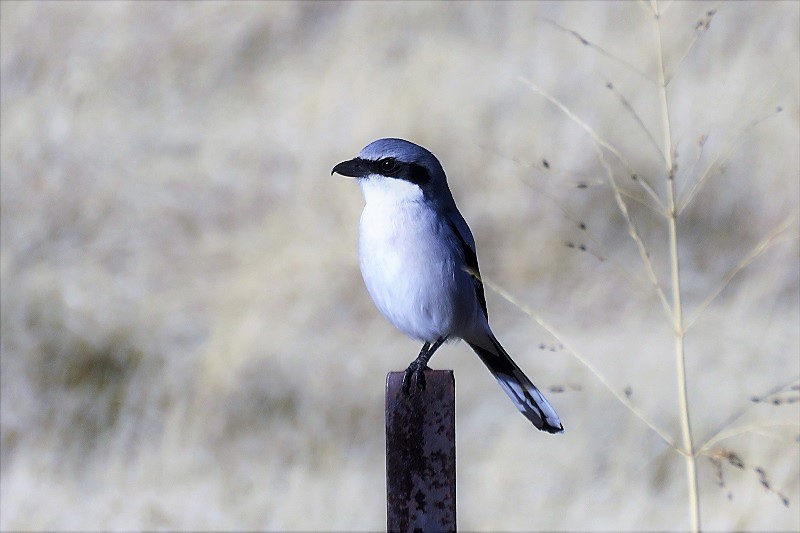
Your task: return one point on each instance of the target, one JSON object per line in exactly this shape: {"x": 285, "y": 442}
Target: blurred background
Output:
{"x": 186, "y": 340}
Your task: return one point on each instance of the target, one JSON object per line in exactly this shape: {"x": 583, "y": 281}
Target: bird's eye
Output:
{"x": 388, "y": 165}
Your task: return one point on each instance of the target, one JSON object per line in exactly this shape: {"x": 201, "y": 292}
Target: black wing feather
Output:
{"x": 471, "y": 258}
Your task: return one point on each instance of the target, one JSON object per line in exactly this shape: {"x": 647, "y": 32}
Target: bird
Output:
{"x": 418, "y": 261}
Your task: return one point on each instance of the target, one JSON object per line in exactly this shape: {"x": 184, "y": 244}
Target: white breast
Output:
{"x": 409, "y": 262}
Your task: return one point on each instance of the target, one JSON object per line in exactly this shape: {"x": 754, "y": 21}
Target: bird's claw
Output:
{"x": 414, "y": 372}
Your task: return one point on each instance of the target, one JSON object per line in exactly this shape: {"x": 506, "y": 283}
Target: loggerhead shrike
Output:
{"x": 418, "y": 261}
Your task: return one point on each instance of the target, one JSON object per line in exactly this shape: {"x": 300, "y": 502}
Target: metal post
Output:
{"x": 421, "y": 454}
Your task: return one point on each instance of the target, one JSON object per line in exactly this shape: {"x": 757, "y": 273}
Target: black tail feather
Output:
{"x": 528, "y": 399}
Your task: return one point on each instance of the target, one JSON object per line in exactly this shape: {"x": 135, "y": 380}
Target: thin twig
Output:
{"x": 627, "y": 105}
{"x": 582, "y": 184}
{"x": 599, "y": 140}
{"x": 700, "y": 144}
{"x": 632, "y": 231}
{"x": 604, "y": 255}
{"x": 725, "y": 431}
{"x": 635, "y": 281}
{"x": 768, "y": 242}
{"x": 741, "y": 430}
{"x": 634, "y": 234}
{"x": 600, "y": 49}
{"x": 700, "y": 28}
{"x": 722, "y": 156}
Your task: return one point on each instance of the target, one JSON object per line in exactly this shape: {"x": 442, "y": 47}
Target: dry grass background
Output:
{"x": 186, "y": 341}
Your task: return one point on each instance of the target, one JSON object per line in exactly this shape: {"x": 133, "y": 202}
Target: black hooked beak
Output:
{"x": 355, "y": 168}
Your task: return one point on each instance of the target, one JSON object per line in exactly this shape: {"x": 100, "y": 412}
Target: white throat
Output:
{"x": 382, "y": 190}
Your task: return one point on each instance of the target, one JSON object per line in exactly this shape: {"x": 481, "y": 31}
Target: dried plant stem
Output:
{"x": 677, "y": 307}
{"x": 599, "y": 49}
{"x": 627, "y": 105}
{"x": 727, "y": 429}
{"x": 741, "y": 430}
{"x": 632, "y": 231}
{"x": 702, "y": 26}
{"x": 722, "y": 157}
{"x": 773, "y": 239}
{"x": 599, "y": 140}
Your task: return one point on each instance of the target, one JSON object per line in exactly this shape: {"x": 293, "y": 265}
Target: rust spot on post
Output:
{"x": 421, "y": 454}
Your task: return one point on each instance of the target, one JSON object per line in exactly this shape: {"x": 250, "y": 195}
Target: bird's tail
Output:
{"x": 519, "y": 388}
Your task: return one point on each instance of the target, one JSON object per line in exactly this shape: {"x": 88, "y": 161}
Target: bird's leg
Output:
{"x": 416, "y": 369}
{"x": 412, "y": 368}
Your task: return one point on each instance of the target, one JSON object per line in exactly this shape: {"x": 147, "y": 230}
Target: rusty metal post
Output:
{"x": 421, "y": 454}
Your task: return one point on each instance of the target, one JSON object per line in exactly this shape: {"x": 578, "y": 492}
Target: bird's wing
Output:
{"x": 464, "y": 237}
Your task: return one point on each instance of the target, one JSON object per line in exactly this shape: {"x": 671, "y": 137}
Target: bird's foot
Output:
{"x": 416, "y": 372}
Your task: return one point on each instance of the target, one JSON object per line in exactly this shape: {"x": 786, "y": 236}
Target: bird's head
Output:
{"x": 395, "y": 170}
